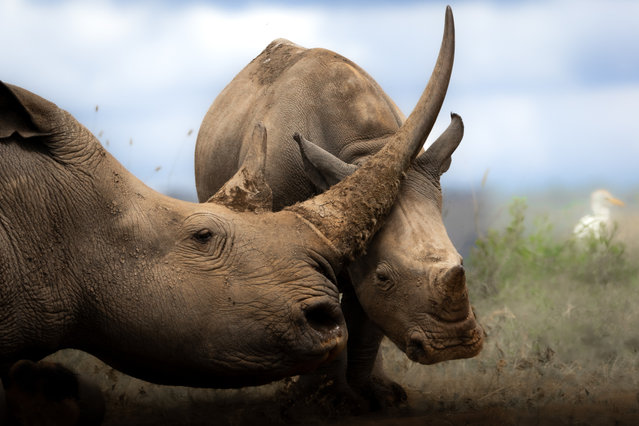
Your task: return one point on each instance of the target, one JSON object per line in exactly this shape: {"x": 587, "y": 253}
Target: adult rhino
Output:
{"x": 219, "y": 294}
{"x": 411, "y": 283}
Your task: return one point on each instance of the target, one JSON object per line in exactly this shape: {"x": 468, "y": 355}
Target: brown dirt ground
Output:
{"x": 620, "y": 408}
{"x": 438, "y": 396}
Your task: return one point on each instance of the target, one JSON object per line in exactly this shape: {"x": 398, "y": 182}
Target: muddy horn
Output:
{"x": 349, "y": 213}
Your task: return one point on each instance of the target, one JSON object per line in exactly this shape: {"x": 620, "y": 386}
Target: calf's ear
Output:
{"x": 24, "y": 113}
{"x": 247, "y": 189}
{"x": 437, "y": 158}
{"x": 321, "y": 167}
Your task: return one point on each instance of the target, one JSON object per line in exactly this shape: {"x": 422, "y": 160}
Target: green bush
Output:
{"x": 511, "y": 256}
{"x": 602, "y": 259}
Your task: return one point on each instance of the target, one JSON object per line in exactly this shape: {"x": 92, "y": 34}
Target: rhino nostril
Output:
{"x": 415, "y": 350}
{"x": 324, "y": 316}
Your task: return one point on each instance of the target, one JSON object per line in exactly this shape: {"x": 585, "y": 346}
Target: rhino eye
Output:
{"x": 203, "y": 236}
{"x": 384, "y": 277}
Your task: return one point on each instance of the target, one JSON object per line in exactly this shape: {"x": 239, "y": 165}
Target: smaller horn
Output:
{"x": 323, "y": 168}
{"x": 247, "y": 190}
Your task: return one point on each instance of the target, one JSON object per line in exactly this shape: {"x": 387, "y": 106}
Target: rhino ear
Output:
{"x": 247, "y": 190}
{"x": 24, "y": 113}
{"x": 321, "y": 167}
{"x": 437, "y": 157}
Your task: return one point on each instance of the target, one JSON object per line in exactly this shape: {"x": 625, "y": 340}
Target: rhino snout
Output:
{"x": 323, "y": 322}
{"x": 461, "y": 340}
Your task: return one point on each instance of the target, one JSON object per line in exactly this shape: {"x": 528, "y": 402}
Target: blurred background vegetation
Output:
{"x": 560, "y": 314}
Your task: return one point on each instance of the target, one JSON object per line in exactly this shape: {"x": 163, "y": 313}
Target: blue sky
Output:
{"x": 549, "y": 90}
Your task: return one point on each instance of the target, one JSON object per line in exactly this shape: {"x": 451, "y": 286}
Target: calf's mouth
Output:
{"x": 456, "y": 340}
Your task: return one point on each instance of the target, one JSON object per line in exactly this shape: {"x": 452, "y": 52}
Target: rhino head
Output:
{"x": 219, "y": 294}
{"x": 411, "y": 282}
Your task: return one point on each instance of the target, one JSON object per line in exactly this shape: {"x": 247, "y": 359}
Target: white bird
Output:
{"x": 593, "y": 224}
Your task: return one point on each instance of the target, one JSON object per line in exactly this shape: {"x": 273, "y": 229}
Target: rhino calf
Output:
{"x": 410, "y": 285}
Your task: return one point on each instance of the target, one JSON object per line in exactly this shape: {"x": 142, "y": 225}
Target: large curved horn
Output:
{"x": 350, "y": 212}
{"x": 420, "y": 122}
{"x": 247, "y": 190}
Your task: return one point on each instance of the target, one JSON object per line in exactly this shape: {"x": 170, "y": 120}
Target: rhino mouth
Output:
{"x": 313, "y": 333}
{"x": 462, "y": 339}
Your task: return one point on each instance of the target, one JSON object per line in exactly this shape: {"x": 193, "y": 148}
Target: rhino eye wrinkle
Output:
{"x": 324, "y": 268}
{"x": 203, "y": 236}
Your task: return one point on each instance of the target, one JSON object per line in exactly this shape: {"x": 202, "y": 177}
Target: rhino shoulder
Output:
{"x": 274, "y": 60}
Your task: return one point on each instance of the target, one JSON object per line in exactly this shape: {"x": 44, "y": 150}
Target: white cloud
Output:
{"x": 152, "y": 69}
{"x": 145, "y": 46}
{"x": 571, "y": 138}
{"x": 534, "y": 81}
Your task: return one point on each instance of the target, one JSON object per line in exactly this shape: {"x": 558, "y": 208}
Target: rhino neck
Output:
{"x": 47, "y": 212}
{"x": 127, "y": 236}
{"x": 71, "y": 236}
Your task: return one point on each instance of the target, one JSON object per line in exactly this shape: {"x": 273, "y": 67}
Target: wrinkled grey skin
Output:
{"x": 410, "y": 285}
{"x": 219, "y": 294}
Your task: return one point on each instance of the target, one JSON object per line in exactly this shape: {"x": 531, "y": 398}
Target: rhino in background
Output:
{"x": 220, "y": 294}
{"x": 411, "y": 284}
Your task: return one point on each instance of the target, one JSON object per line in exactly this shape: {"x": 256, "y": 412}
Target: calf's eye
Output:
{"x": 203, "y": 236}
{"x": 381, "y": 276}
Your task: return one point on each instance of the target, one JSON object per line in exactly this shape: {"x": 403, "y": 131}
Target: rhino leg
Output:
{"x": 364, "y": 369}
{"x": 4, "y": 371}
{"x": 355, "y": 381}
{"x": 49, "y": 393}
{"x": 325, "y": 391}
{"x": 326, "y": 387}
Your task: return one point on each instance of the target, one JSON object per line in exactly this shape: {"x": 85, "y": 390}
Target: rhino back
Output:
{"x": 315, "y": 92}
